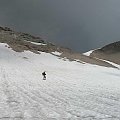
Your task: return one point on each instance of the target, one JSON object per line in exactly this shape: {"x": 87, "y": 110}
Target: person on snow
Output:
{"x": 44, "y": 75}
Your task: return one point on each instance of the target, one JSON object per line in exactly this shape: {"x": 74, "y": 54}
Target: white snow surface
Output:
{"x": 35, "y": 43}
{"x": 72, "y": 91}
{"x": 88, "y": 53}
{"x": 56, "y": 53}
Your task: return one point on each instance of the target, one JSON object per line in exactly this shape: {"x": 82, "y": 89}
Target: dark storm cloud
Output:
{"x": 79, "y": 24}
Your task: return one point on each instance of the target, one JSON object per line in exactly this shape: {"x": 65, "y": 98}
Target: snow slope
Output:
{"x": 72, "y": 91}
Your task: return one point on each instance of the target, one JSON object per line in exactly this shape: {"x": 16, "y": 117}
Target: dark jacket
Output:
{"x": 43, "y": 73}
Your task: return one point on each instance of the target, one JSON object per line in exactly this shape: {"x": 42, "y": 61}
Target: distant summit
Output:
{"x": 110, "y": 52}
{"x": 111, "y": 48}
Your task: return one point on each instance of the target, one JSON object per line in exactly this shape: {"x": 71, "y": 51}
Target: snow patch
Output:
{"x": 56, "y": 53}
{"x": 114, "y": 64}
{"x": 88, "y": 53}
{"x": 77, "y": 60}
{"x": 35, "y": 43}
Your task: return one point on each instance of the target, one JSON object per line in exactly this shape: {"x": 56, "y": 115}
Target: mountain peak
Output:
{"x": 110, "y": 52}
{"x": 111, "y": 48}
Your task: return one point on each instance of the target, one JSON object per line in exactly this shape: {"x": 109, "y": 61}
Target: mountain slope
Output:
{"x": 109, "y": 52}
{"x": 22, "y": 41}
{"x": 72, "y": 91}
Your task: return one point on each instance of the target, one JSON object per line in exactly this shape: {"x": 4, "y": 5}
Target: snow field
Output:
{"x": 72, "y": 91}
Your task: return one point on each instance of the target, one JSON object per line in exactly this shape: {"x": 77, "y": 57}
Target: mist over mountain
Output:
{"x": 81, "y": 25}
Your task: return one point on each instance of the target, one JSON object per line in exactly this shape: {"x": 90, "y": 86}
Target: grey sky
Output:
{"x": 78, "y": 24}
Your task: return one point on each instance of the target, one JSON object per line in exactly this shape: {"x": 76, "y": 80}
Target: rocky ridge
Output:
{"x": 19, "y": 42}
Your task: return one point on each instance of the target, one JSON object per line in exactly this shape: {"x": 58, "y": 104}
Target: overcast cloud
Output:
{"x": 78, "y": 24}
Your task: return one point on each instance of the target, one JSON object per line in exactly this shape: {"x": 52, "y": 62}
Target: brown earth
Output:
{"x": 86, "y": 59}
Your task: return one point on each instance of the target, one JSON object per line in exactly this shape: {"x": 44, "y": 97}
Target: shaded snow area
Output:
{"x": 72, "y": 91}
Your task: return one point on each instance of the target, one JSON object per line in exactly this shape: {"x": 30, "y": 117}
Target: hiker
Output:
{"x": 44, "y": 75}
